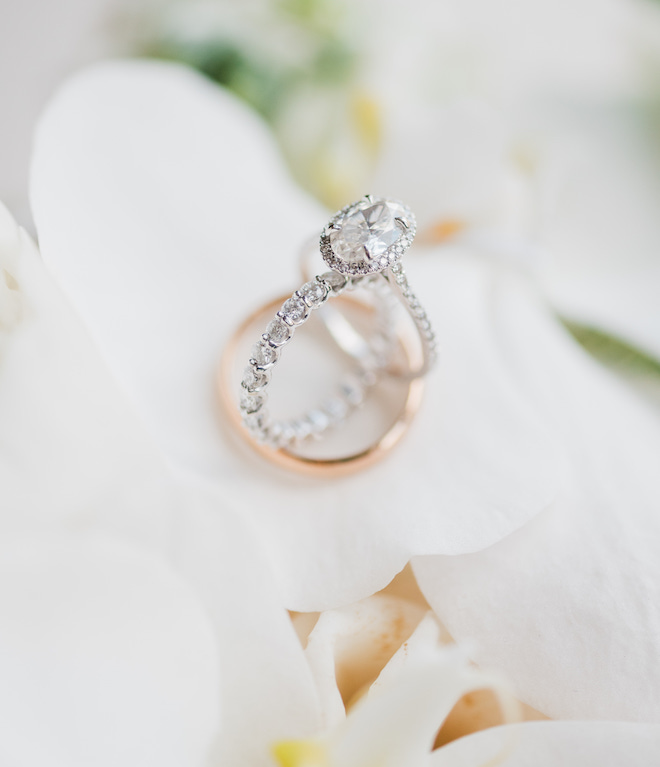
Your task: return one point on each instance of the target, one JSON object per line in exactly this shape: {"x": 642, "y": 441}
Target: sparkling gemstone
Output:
{"x": 264, "y": 355}
{"x": 352, "y": 391}
{"x": 288, "y": 433}
{"x": 302, "y": 429}
{"x": 336, "y": 408}
{"x": 294, "y": 310}
{"x": 252, "y": 403}
{"x": 278, "y": 332}
{"x": 335, "y": 280}
{"x": 275, "y": 433}
{"x": 368, "y": 230}
{"x": 318, "y": 421}
{"x": 313, "y": 292}
{"x": 255, "y": 421}
{"x": 253, "y": 379}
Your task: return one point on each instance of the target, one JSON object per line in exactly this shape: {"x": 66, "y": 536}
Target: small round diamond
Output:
{"x": 250, "y": 403}
{"x": 336, "y": 281}
{"x": 302, "y": 429}
{"x": 254, "y": 421}
{"x": 294, "y": 310}
{"x": 264, "y": 355}
{"x": 313, "y": 293}
{"x": 278, "y": 332}
{"x": 336, "y": 408}
{"x": 253, "y": 380}
{"x": 318, "y": 421}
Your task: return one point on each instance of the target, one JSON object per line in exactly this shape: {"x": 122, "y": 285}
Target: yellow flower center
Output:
{"x": 300, "y": 753}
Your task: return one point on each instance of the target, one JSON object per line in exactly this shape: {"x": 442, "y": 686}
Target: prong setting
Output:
{"x": 367, "y": 236}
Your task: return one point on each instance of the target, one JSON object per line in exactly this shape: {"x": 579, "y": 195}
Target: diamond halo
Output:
{"x": 368, "y": 236}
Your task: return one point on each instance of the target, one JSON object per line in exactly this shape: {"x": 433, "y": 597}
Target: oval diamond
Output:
{"x": 368, "y": 235}
{"x": 369, "y": 230}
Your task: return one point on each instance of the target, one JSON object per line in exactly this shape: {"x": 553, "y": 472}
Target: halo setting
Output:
{"x": 363, "y": 239}
{"x": 368, "y": 236}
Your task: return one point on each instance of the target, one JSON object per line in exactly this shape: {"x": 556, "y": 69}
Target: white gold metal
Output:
{"x": 376, "y": 231}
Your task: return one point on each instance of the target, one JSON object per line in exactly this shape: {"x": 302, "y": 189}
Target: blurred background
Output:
{"x": 531, "y": 125}
{"x": 336, "y": 78}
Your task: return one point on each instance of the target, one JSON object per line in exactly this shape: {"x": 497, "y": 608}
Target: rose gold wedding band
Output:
{"x": 286, "y": 458}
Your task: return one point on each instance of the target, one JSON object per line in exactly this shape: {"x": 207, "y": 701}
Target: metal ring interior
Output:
{"x": 397, "y": 283}
{"x": 287, "y": 458}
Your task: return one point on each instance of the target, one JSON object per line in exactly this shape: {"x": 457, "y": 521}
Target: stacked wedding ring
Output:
{"x": 362, "y": 244}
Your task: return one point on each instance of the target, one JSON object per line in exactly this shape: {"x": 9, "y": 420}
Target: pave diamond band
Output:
{"x": 350, "y": 392}
{"x": 363, "y": 245}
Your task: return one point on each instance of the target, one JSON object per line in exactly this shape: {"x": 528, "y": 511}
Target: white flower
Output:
{"x": 10, "y": 295}
{"x": 523, "y": 127}
{"x": 167, "y": 241}
{"x": 535, "y": 152}
{"x": 155, "y": 195}
{"x": 106, "y": 657}
{"x": 137, "y": 618}
{"x": 140, "y": 625}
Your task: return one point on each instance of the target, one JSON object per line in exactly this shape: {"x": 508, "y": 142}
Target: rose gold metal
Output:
{"x": 286, "y": 458}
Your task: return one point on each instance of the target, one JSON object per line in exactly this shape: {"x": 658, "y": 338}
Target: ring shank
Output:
{"x": 285, "y": 456}
{"x": 352, "y": 342}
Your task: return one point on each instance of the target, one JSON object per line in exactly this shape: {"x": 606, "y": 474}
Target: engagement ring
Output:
{"x": 362, "y": 244}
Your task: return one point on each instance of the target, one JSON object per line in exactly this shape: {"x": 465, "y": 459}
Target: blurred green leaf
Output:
{"x": 614, "y": 351}
{"x": 224, "y": 62}
{"x": 258, "y": 73}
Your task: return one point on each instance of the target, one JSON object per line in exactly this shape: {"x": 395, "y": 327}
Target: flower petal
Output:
{"x": 71, "y": 451}
{"x": 73, "y": 456}
{"x": 162, "y": 205}
{"x": 570, "y": 602}
{"x": 267, "y": 692}
{"x": 106, "y": 658}
{"x": 507, "y": 51}
{"x": 349, "y": 646}
{"x": 447, "y": 163}
{"x": 602, "y": 231}
{"x": 556, "y": 744}
{"x": 397, "y": 722}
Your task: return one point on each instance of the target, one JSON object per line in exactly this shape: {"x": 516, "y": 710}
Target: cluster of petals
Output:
{"x": 145, "y": 556}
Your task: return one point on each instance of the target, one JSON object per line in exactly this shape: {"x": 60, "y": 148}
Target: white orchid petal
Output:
{"x": 348, "y": 646}
{"x": 163, "y": 208}
{"x": 508, "y": 51}
{"x": 267, "y": 690}
{"x": 601, "y": 227}
{"x": 398, "y": 721}
{"x": 422, "y": 643}
{"x": 11, "y": 298}
{"x": 70, "y": 449}
{"x": 556, "y": 744}
{"x": 106, "y": 658}
{"x": 570, "y": 602}
{"x": 447, "y": 163}
{"x": 73, "y": 456}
